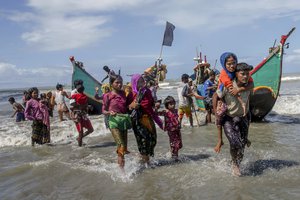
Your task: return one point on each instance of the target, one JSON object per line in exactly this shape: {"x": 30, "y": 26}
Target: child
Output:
{"x": 172, "y": 125}
{"x": 19, "y": 110}
{"x": 115, "y": 106}
{"x": 60, "y": 96}
{"x": 185, "y": 100}
{"x": 51, "y": 103}
{"x": 25, "y": 98}
{"x": 229, "y": 62}
{"x": 38, "y": 113}
{"x": 80, "y": 114}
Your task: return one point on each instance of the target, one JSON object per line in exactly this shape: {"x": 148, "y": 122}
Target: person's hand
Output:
{"x": 97, "y": 89}
{"x": 112, "y": 113}
{"x": 233, "y": 91}
{"x": 218, "y": 146}
{"x": 133, "y": 105}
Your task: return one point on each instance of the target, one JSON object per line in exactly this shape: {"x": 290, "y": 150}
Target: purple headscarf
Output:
{"x": 134, "y": 82}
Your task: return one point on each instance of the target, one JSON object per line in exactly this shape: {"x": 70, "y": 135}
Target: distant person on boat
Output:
{"x": 109, "y": 72}
{"x": 143, "y": 117}
{"x": 229, "y": 62}
{"x": 59, "y": 97}
{"x": 172, "y": 125}
{"x": 185, "y": 95}
{"x": 115, "y": 106}
{"x": 209, "y": 88}
{"x": 38, "y": 113}
{"x": 18, "y": 108}
{"x": 236, "y": 124}
{"x": 79, "y": 113}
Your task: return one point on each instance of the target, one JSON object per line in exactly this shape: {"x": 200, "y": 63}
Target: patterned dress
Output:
{"x": 172, "y": 126}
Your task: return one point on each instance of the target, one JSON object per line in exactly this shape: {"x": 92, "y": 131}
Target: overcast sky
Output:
{"x": 37, "y": 37}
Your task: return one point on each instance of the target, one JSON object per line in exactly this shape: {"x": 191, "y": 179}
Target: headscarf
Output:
{"x": 134, "y": 82}
{"x": 223, "y": 58}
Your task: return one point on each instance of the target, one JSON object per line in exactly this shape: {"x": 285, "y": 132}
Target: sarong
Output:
{"x": 40, "y": 132}
{"x": 145, "y": 134}
{"x": 236, "y": 131}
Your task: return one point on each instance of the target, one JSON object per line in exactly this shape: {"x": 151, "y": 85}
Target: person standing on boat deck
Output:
{"x": 142, "y": 118}
{"x": 209, "y": 89}
{"x": 38, "y": 113}
{"x": 235, "y": 123}
{"x": 185, "y": 100}
{"x": 229, "y": 62}
{"x": 59, "y": 97}
{"x": 80, "y": 116}
{"x": 115, "y": 107}
{"x": 18, "y": 108}
{"x": 109, "y": 72}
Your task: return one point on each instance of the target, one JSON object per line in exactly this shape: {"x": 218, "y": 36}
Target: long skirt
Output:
{"x": 145, "y": 134}
{"x": 40, "y": 132}
{"x": 175, "y": 142}
{"x": 236, "y": 131}
{"x": 120, "y": 137}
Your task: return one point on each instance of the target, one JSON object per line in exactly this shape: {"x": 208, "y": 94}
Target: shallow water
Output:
{"x": 271, "y": 166}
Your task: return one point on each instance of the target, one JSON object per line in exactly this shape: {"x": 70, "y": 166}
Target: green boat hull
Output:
{"x": 89, "y": 83}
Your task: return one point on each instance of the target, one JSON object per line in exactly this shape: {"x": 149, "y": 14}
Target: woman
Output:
{"x": 142, "y": 116}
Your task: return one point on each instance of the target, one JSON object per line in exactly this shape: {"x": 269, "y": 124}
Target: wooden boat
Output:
{"x": 267, "y": 80}
{"x": 89, "y": 83}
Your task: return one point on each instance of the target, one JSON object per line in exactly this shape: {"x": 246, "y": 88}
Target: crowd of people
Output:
{"x": 135, "y": 106}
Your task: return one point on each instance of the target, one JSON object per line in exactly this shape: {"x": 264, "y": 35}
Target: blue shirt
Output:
{"x": 208, "y": 92}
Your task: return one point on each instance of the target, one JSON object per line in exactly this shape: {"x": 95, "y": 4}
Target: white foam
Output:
{"x": 163, "y": 84}
{"x": 19, "y": 134}
{"x": 290, "y": 78}
{"x": 287, "y": 104}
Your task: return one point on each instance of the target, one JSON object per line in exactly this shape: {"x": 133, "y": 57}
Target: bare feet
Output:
{"x": 248, "y": 143}
{"x": 121, "y": 161}
{"x": 218, "y": 146}
{"x": 236, "y": 170}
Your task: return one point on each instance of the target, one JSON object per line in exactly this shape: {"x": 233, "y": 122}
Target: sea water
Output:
{"x": 270, "y": 168}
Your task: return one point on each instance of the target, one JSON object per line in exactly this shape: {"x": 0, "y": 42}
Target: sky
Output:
{"x": 38, "y": 37}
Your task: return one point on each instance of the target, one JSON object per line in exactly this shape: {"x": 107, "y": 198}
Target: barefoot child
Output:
{"x": 172, "y": 125}
{"x": 115, "y": 106}
{"x": 60, "y": 96}
{"x": 19, "y": 110}
{"x": 80, "y": 114}
{"x": 229, "y": 62}
{"x": 38, "y": 113}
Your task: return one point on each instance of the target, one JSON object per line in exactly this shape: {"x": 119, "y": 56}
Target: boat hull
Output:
{"x": 89, "y": 83}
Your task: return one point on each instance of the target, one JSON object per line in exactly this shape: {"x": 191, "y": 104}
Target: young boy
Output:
{"x": 19, "y": 110}
{"x": 80, "y": 114}
{"x": 60, "y": 96}
{"x": 185, "y": 100}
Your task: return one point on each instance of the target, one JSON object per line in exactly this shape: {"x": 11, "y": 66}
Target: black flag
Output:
{"x": 168, "y": 36}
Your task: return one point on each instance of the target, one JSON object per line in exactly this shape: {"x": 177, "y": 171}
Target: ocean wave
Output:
{"x": 290, "y": 78}
{"x": 287, "y": 104}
